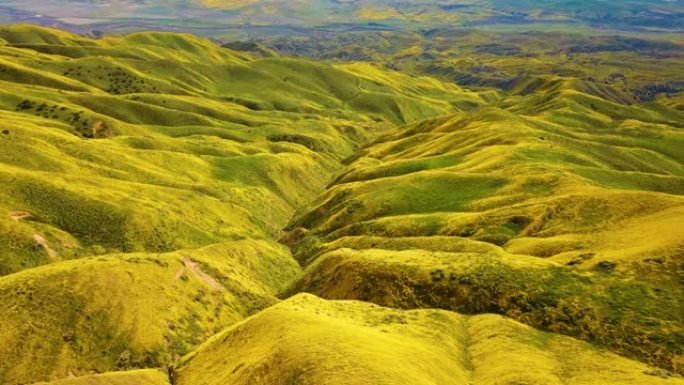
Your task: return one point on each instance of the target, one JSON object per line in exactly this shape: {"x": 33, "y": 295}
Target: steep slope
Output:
{"x": 147, "y": 179}
{"x": 136, "y": 377}
{"x": 554, "y": 213}
{"x": 207, "y": 129}
{"x": 306, "y": 340}
{"x": 131, "y": 311}
{"x": 151, "y": 174}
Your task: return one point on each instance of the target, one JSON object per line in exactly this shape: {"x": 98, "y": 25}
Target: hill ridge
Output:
{"x": 179, "y": 205}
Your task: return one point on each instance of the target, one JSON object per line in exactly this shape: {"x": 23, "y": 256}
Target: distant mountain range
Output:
{"x": 259, "y": 17}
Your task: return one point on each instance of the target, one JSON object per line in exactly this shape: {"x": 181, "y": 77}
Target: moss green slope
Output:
{"x": 192, "y": 139}
{"x": 146, "y": 178}
{"x": 134, "y": 377}
{"x": 590, "y": 190}
{"x": 131, "y": 311}
{"x": 306, "y": 340}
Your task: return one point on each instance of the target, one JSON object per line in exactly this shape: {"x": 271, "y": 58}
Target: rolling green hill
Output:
{"x": 139, "y": 377}
{"x": 365, "y": 344}
{"x": 546, "y": 209}
{"x": 156, "y": 143}
{"x": 167, "y": 202}
{"x": 183, "y": 140}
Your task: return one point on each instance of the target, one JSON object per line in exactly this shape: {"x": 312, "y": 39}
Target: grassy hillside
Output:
{"x": 131, "y": 311}
{"x": 137, "y": 377}
{"x": 149, "y": 176}
{"x": 621, "y": 66}
{"x": 558, "y": 208}
{"x": 306, "y": 340}
{"x": 163, "y": 194}
{"x": 175, "y": 141}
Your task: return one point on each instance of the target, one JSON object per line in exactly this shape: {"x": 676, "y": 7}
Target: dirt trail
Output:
{"x": 201, "y": 275}
{"x": 43, "y": 242}
{"x": 19, "y": 215}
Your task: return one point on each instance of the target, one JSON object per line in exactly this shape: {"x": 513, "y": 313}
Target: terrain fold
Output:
{"x": 180, "y": 213}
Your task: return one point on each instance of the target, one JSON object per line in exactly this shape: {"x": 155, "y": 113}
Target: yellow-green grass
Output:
{"x": 152, "y": 143}
{"x": 116, "y": 153}
{"x": 112, "y": 197}
{"x": 613, "y": 72}
{"x": 512, "y": 174}
{"x": 193, "y": 140}
{"x": 306, "y": 340}
{"x": 612, "y": 64}
{"x": 133, "y": 377}
{"x": 152, "y": 173}
{"x": 642, "y": 320}
{"x": 118, "y": 312}
{"x": 592, "y": 195}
